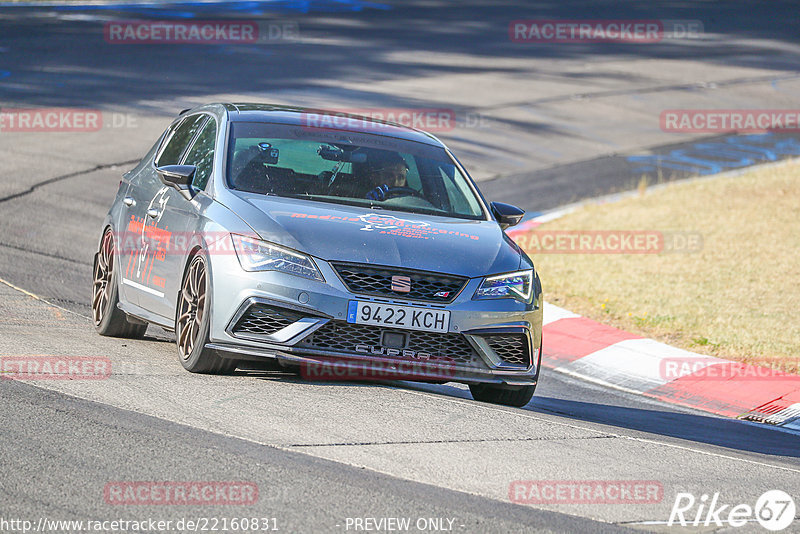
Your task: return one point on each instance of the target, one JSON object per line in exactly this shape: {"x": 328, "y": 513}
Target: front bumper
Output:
{"x": 491, "y": 341}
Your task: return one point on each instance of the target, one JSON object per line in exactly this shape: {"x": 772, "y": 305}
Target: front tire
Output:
{"x": 517, "y": 396}
{"x": 108, "y": 319}
{"x": 193, "y": 320}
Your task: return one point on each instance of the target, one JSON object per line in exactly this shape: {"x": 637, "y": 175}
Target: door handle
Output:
{"x": 128, "y": 201}
{"x": 152, "y": 213}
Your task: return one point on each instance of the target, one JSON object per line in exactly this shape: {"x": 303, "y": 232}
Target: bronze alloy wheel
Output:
{"x": 104, "y": 266}
{"x": 109, "y": 319}
{"x": 191, "y": 307}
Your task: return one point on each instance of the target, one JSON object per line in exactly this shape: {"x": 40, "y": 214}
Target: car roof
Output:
{"x": 328, "y": 119}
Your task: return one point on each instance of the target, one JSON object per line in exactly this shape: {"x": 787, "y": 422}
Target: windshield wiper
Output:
{"x": 324, "y": 198}
{"x": 375, "y": 206}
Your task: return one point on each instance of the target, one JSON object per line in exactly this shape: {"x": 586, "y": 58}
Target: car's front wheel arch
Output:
{"x": 193, "y": 313}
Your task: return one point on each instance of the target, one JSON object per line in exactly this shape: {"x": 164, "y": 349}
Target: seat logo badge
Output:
{"x": 401, "y": 284}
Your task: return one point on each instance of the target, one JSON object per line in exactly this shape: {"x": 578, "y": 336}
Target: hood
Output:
{"x": 334, "y": 232}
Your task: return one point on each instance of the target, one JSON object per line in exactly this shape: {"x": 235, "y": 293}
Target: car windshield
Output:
{"x": 348, "y": 168}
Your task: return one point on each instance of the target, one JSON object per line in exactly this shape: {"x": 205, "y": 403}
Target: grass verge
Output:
{"x": 736, "y": 296}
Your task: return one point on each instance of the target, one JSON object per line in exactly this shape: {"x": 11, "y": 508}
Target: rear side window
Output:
{"x": 177, "y": 140}
{"x": 201, "y": 155}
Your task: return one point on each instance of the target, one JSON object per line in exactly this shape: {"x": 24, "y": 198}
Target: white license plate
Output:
{"x": 407, "y": 317}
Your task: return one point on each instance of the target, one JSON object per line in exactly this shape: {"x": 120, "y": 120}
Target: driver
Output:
{"x": 385, "y": 171}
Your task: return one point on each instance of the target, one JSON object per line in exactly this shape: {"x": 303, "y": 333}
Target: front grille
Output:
{"x": 343, "y": 337}
{"x": 261, "y": 319}
{"x": 375, "y": 280}
{"x": 512, "y": 348}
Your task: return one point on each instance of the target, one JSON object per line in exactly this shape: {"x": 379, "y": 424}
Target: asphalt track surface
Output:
{"x": 539, "y": 125}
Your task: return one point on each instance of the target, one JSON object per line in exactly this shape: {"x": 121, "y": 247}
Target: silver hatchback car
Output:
{"x": 340, "y": 246}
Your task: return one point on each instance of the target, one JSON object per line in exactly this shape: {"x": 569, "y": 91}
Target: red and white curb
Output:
{"x": 602, "y": 354}
{"x": 599, "y": 353}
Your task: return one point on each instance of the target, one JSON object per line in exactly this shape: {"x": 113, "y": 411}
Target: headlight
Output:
{"x": 255, "y": 255}
{"x": 518, "y": 285}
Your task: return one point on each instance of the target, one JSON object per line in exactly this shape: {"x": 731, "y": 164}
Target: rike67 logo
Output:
{"x": 774, "y": 511}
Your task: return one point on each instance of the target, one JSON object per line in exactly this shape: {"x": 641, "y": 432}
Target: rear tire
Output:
{"x": 193, "y": 320}
{"x": 108, "y": 319}
{"x": 517, "y": 396}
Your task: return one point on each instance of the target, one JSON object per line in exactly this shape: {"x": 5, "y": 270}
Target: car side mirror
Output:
{"x": 506, "y": 214}
{"x": 178, "y": 176}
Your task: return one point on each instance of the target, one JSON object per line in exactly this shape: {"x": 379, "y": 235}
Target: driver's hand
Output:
{"x": 379, "y": 193}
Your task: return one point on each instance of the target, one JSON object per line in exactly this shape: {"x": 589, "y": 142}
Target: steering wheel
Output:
{"x": 384, "y": 192}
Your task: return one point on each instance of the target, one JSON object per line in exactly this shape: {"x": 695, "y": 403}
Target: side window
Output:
{"x": 178, "y": 139}
{"x": 201, "y": 155}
